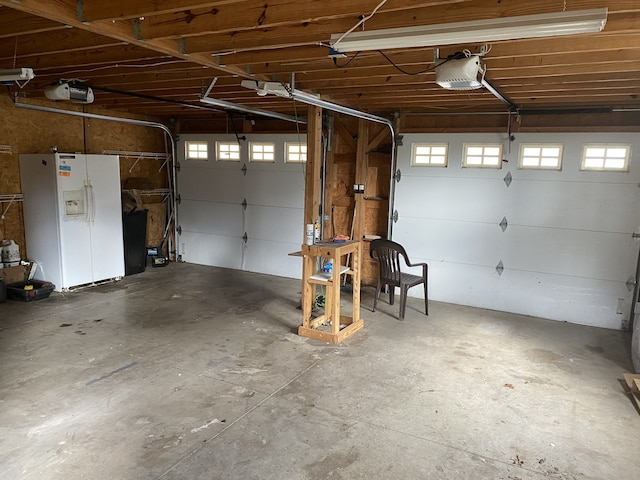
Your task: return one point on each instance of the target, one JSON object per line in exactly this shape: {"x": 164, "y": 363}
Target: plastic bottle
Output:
{"x": 10, "y": 253}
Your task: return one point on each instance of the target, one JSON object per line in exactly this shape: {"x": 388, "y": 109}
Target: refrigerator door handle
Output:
{"x": 92, "y": 203}
{"x": 87, "y": 196}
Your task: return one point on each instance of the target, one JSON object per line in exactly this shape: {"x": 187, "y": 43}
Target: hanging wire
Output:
{"x": 362, "y": 20}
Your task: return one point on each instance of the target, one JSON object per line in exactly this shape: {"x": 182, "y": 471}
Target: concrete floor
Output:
{"x": 192, "y": 372}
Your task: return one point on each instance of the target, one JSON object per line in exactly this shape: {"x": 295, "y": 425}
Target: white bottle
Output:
{"x": 10, "y": 253}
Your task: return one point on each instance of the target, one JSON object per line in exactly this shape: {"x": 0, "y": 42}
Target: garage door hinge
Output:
{"x": 178, "y": 166}
{"x": 179, "y": 230}
{"x": 507, "y": 179}
{"x": 179, "y": 199}
{"x": 244, "y": 169}
{"x": 631, "y": 283}
{"x": 500, "y": 268}
{"x": 397, "y": 176}
{"x": 245, "y": 237}
{"x": 503, "y": 224}
{"x": 394, "y": 217}
{"x": 244, "y": 204}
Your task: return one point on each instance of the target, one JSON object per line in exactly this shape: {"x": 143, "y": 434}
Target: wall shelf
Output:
{"x": 10, "y": 199}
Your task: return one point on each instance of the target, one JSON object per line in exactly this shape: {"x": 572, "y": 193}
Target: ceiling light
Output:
{"x": 475, "y": 31}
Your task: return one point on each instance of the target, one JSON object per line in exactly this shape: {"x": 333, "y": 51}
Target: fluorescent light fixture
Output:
{"x": 16, "y": 75}
{"x": 475, "y": 31}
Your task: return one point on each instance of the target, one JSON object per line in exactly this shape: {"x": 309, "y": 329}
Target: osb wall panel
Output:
{"x": 107, "y": 135}
{"x": 29, "y": 131}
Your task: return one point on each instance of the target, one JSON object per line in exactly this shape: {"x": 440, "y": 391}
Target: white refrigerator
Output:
{"x": 73, "y": 217}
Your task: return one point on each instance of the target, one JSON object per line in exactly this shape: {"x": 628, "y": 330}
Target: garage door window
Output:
{"x": 228, "y": 151}
{"x": 295, "y": 152}
{"x": 429, "y": 155}
{"x": 540, "y": 156}
{"x": 196, "y": 151}
{"x": 262, "y": 152}
{"x": 606, "y": 157}
{"x": 482, "y": 156}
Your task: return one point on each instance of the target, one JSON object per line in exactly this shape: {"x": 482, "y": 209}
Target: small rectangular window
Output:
{"x": 295, "y": 152}
{"x": 482, "y": 156}
{"x": 262, "y": 152}
{"x": 606, "y": 157}
{"x": 434, "y": 155}
{"x": 196, "y": 150}
{"x": 228, "y": 151}
{"x": 540, "y": 156}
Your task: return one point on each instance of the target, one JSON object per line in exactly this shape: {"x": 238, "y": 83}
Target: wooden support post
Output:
{"x": 330, "y": 185}
{"x": 314, "y": 163}
{"x": 361, "y": 178}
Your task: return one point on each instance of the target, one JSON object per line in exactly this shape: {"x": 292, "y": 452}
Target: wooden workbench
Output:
{"x": 341, "y": 326}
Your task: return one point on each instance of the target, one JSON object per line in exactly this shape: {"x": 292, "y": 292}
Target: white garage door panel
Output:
{"x": 277, "y": 188}
{"x": 214, "y": 250}
{"x": 570, "y": 299}
{"x": 273, "y": 258}
{"x": 278, "y": 224}
{"x": 212, "y": 218}
{"x": 591, "y": 206}
{"x": 452, "y": 198}
{"x": 440, "y": 240}
{"x": 215, "y": 185}
{"x": 597, "y": 255}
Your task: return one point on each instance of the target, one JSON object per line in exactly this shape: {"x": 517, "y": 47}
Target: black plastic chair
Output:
{"x": 388, "y": 254}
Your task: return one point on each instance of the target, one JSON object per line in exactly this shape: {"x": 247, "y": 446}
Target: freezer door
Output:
{"x": 105, "y": 216}
{"x": 73, "y": 204}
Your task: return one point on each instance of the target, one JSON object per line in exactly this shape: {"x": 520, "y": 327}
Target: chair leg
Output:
{"x": 392, "y": 292}
{"x": 375, "y": 297}
{"x": 403, "y": 301}
{"x": 426, "y": 298}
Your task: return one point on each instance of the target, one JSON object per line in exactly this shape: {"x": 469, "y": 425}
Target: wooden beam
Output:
{"x": 257, "y": 14}
{"x": 314, "y": 163}
{"x": 64, "y": 11}
{"x": 345, "y": 134}
{"x": 18, "y": 23}
{"x": 377, "y": 140}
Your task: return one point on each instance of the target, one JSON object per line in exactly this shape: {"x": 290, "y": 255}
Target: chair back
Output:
{"x": 388, "y": 255}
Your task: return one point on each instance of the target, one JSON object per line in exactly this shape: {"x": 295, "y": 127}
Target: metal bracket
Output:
{"x": 183, "y": 51}
{"x": 244, "y": 204}
{"x": 136, "y": 30}
{"x": 179, "y": 230}
{"x": 245, "y": 237}
{"x": 504, "y": 224}
{"x": 500, "y": 268}
{"x": 244, "y": 169}
{"x": 80, "y": 12}
{"x": 394, "y": 217}
{"x": 178, "y": 166}
{"x": 179, "y": 199}
{"x": 397, "y": 176}
{"x": 631, "y": 283}
{"x": 507, "y": 179}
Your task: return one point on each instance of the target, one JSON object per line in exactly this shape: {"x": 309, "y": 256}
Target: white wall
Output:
{"x": 567, "y": 251}
{"x": 213, "y": 220}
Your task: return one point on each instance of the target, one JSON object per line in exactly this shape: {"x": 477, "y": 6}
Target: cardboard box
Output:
{"x": 15, "y": 274}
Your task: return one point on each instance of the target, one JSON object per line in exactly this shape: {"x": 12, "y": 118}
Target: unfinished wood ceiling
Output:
{"x": 166, "y": 52}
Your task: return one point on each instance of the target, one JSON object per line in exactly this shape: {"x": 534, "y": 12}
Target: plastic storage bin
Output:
{"x": 28, "y": 291}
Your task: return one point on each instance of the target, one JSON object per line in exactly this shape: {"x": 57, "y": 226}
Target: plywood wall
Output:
{"x": 29, "y": 131}
{"x": 342, "y": 176}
